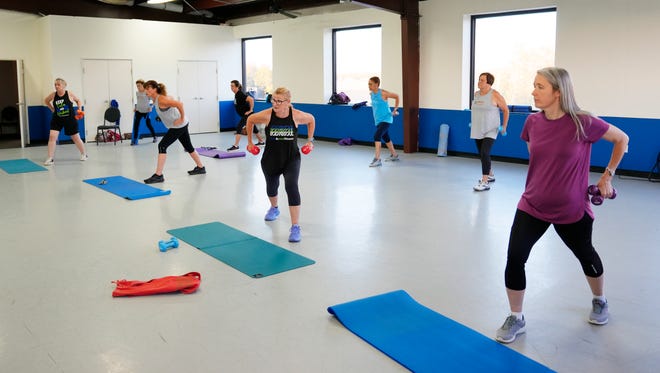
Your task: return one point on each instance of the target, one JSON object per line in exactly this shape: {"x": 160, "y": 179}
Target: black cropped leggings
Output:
{"x": 484, "y": 146}
{"x": 382, "y": 132}
{"x": 526, "y": 230}
{"x": 291, "y": 172}
{"x": 174, "y": 134}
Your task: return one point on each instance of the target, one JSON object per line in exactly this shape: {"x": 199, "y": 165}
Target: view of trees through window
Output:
{"x": 357, "y": 57}
{"x": 258, "y": 67}
{"x": 512, "y": 47}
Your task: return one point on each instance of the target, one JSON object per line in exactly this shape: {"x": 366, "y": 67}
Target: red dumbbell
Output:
{"x": 254, "y": 150}
{"x": 79, "y": 114}
{"x": 307, "y": 148}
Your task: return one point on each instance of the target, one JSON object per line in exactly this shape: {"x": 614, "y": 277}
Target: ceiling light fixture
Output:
{"x": 159, "y": 1}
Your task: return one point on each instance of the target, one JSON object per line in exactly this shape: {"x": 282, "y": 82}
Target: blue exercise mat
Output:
{"x": 246, "y": 253}
{"x": 423, "y": 340}
{"x": 126, "y": 188}
{"x": 19, "y": 166}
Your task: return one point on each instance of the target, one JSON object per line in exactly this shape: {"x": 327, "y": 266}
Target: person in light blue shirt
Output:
{"x": 383, "y": 118}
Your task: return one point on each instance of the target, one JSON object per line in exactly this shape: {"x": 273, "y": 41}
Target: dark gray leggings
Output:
{"x": 291, "y": 173}
{"x": 526, "y": 230}
{"x": 483, "y": 147}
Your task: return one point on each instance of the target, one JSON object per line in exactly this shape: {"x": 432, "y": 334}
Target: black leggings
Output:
{"x": 382, "y": 132}
{"x": 526, "y": 230}
{"x": 174, "y": 134}
{"x": 483, "y": 146}
{"x": 137, "y": 117}
{"x": 291, "y": 173}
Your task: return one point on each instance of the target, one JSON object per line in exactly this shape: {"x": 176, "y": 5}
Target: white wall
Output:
{"x": 20, "y": 40}
{"x": 302, "y": 46}
{"x": 153, "y": 47}
{"x": 608, "y": 46}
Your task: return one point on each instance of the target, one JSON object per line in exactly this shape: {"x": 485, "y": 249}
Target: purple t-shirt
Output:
{"x": 558, "y": 174}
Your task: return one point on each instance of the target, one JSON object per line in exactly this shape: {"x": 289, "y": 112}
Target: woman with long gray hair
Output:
{"x": 559, "y": 140}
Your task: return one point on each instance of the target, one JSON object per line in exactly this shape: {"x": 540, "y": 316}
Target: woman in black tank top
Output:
{"x": 60, "y": 103}
{"x": 281, "y": 155}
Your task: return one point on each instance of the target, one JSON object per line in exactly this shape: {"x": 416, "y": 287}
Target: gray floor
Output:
{"x": 414, "y": 225}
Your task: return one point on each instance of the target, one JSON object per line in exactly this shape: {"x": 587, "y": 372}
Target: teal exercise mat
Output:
{"x": 126, "y": 188}
{"x": 19, "y": 166}
{"x": 423, "y": 340}
{"x": 246, "y": 253}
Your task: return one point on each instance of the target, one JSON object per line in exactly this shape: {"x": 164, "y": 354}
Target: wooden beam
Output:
{"x": 410, "y": 74}
{"x": 88, "y": 8}
{"x": 395, "y": 6}
{"x": 263, "y": 7}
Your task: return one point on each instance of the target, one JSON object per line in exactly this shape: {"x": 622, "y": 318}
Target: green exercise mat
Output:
{"x": 19, "y": 166}
{"x": 251, "y": 255}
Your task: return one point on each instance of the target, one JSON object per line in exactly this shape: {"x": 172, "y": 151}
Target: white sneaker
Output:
{"x": 49, "y": 162}
{"x": 481, "y": 186}
{"x": 491, "y": 178}
{"x": 83, "y": 157}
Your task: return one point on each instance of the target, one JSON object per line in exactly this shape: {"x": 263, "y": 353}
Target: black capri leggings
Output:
{"x": 174, "y": 134}
{"x": 382, "y": 132}
{"x": 526, "y": 230}
{"x": 484, "y": 146}
{"x": 291, "y": 173}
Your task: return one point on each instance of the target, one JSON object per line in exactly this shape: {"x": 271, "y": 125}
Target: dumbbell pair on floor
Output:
{"x": 596, "y": 198}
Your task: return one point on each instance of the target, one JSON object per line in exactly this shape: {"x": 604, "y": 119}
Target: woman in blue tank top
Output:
{"x": 383, "y": 118}
{"x": 281, "y": 155}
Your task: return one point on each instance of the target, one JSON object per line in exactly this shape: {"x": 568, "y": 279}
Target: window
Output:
{"x": 513, "y": 46}
{"x": 357, "y": 57}
{"x": 258, "y": 66}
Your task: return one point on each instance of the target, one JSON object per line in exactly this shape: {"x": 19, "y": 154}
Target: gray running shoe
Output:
{"x": 375, "y": 163}
{"x": 392, "y": 158}
{"x": 510, "y": 329}
{"x": 600, "y": 313}
{"x": 481, "y": 186}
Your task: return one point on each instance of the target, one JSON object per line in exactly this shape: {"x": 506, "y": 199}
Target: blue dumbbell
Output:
{"x": 500, "y": 130}
{"x": 173, "y": 243}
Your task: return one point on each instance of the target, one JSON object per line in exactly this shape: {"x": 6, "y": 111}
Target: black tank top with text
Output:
{"x": 281, "y": 142}
{"x": 63, "y": 105}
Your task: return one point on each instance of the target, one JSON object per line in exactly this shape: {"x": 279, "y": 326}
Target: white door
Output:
{"x": 121, "y": 87}
{"x": 103, "y": 81}
{"x": 187, "y": 89}
{"x": 197, "y": 83}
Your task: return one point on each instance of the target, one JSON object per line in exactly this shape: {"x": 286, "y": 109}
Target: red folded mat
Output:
{"x": 186, "y": 284}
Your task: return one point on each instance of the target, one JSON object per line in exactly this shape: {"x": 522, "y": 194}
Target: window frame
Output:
{"x": 334, "y": 47}
{"x": 243, "y": 60}
{"x": 473, "y": 33}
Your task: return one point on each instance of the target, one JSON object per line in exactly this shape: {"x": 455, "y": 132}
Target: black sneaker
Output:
{"x": 154, "y": 179}
{"x": 233, "y": 147}
{"x": 261, "y": 143}
{"x": 197, "y": 171}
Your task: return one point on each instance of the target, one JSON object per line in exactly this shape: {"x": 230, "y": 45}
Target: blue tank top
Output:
{"x": 381, "y": 108}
